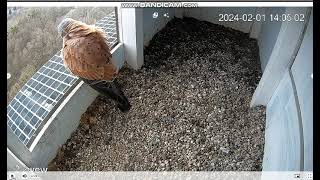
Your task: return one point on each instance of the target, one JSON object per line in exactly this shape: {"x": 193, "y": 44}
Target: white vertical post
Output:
{"x": 132, "y": 34}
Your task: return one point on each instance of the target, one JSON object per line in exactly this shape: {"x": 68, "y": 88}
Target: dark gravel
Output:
{"x": 190, "y": 108}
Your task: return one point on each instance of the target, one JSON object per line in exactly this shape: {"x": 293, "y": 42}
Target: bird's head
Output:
{"x": 64, "y": 25}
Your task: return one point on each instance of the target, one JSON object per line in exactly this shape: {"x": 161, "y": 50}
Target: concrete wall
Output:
{"x": 302, "y": 72}
{"x": 211, "y": 14}
{"x": 281, "y": 57}
{"x": 268, "y": 35}
{"x": 289, "y": 125}
{"x": 153, "y": 25}
{"x": 282, "y": 138}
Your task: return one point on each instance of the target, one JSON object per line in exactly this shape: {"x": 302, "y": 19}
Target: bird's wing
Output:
{"x": 89, "y": 57}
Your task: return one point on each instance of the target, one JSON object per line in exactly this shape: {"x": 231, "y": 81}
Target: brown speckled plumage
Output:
{"x": 86, "y": 53}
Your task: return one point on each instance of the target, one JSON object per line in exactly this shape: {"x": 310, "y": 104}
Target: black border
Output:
{"x": 316, "y": 89}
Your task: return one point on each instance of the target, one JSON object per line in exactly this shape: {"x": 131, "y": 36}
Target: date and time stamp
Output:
{"x": 262, "y": 17}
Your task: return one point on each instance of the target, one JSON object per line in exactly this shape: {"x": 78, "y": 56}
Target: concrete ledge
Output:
{"x": 13, "y": 163}
{"x": 61, "y": 125}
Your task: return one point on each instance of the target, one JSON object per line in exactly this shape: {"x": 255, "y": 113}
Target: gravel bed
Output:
{"x": 190, "y": 108}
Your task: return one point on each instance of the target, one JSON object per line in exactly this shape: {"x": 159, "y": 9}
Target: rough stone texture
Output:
{"x": 190, "y": 108}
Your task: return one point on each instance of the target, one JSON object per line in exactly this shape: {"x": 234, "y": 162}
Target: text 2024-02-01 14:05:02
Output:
{"x": 262, "y": 17}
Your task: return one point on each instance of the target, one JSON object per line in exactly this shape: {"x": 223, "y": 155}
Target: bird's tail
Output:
{"x": 123, "y": 102}
{"x": 112, "y": 90}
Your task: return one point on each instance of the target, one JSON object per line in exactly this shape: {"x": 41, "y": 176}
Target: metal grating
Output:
{"x": 41, "y": 95}
{"x": 109, "y": 25}
{"x": 37, "y": 98}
